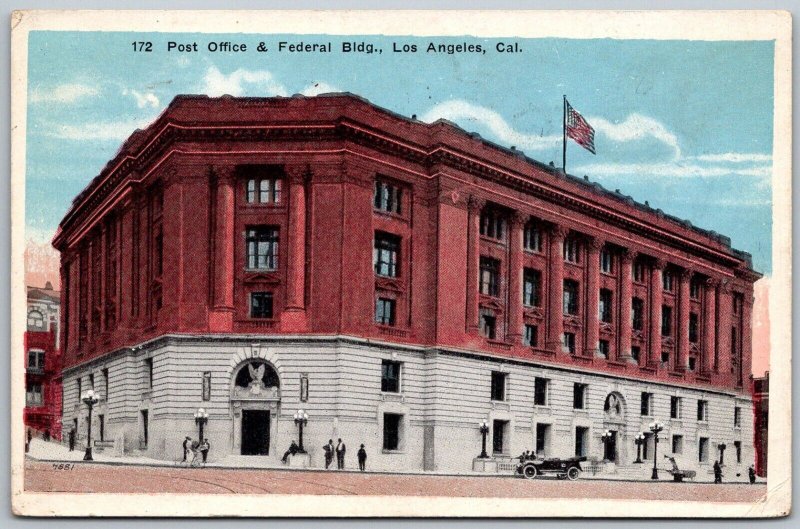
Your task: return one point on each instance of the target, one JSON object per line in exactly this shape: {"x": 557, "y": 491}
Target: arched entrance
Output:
{"x": 255, "y": 399}
{"x": 614, "y": 424}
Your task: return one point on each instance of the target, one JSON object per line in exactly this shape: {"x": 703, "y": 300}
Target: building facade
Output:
{"x": 400, "y": 282}
{"x": 43, "y": 362}
{"x": 761, "y": 419}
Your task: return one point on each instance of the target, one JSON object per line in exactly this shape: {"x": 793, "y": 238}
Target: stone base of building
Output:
{"x": 484, "y": 464}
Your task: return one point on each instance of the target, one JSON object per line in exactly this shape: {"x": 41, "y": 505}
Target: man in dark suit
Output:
{"x": 328, "y": 453}
{"x": 72, "y": 440}
{"x": 717, "y": 472}
{"x": 185, "y": 447}
{"x": 340, "y": 451}
{"x": 751, "y": 472}
{"x": 362, "y": 458}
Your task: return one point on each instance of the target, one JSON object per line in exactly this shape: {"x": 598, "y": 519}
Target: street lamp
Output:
{"x": 722, "y": 447}
{"x": 89, "y": 398}
{"x": 605, "y": 437}
{"x": 655, "y": 427}
{"x": 301, "y": 419}
{"x": 200, "y": 419}
{"x": 639, "y": 440}
{"x": 483, "y": 426}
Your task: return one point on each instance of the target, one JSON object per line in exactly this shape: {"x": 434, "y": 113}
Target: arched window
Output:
{"x": 35, "y": 320}
{"x": 255, "y": 371}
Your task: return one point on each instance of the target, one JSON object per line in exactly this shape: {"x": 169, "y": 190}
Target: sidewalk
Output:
{"x": 58, "y": 453}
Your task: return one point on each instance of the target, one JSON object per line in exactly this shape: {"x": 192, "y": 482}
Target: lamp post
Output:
{"x": 722, "y": 447}
{"x": 301, "y": 419}
{"x": 200, "y": 419}
{"x": 483, "y": 426}
{"x": 655, "y": 427}
{"x": 605, "y": 437}
{"x": 639, "y": 440}
{"x": 89, "y": 398}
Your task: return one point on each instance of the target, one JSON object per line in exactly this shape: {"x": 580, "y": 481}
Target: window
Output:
{"x": 677, "y": 444}
{"x": 105, "y": 384}
{"x": 570, "y": 297}
{"x": 647, "y": 446}
{"x": 702, "y": 410}
{"x": 490, "y": 272}
{"x": 737, "y": 445}
{"x": 603, "y": 348}
{"x": 532, "y": 285}
{"x": 692, "y": 363}
{"x": 206, "y": 388}
{"x": 35, "y": 320}
{"x": 675, "y": 407}
{"x": 148, "y": 367}
{"x": 702, "y": 451}
{"x": 666, "y": 280}
{"x": 387, "y": 197}
{"x": 540, "y": 391}
{"x": 647, "y": 404}
{"x": 581, "y": 440}
{"x": 91, "y": 381}
{"x": 569, "y": 343}
{"x": 737, "y": 303}
{"x": 390, "y": 376}
{"x": 579, "y": 396}
{"x": 261, "y": 304}
{"x": 606, "y": 262}
{"x": 532, "y": 237}
{"x": 571, "y": 250}
{"x": 694, "y": 288}
{"x": 605, "y": 305}
{"x": 666, "y": 320}
{"x": 488, "y": 325}
{"x": 531, "y": 337}
{"x": 33, "y": 394}
{"x": 385, "y": 311}
{"x": 637, "y": 314}
{"x": 499, "y": 436}
{"x": 80, "y": 388}
{"x": 385, "y": 254}
{"x": 492, "y": 224}
{"x": 262, "y": 248}
{"x": 35, "y": 360}
{"x": 542, "y": 439}
{"x": 664, "y": 358}
{"x": 638, "y": 271}
{"x": 391, "y": 430}
{"x": 636, "y": 352}
{"x": 264, "y": 190}
{"x": 693, "y": 327}
{"x": 737, "y": 417}
{"x": 498, "y": 386}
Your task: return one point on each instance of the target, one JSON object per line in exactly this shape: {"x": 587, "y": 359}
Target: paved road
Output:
{"x": 82, "y": 478}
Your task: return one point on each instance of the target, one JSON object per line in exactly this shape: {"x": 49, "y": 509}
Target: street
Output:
{"x": 96, "y": 477}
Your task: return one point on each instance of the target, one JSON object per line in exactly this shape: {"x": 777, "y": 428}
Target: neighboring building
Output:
{"x": 761, "y": 429}
{"x": 43, "y": 362}
{"x": 399, "y": 281}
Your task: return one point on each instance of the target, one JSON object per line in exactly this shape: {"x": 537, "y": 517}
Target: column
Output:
{"x": 656, "y": 295}
{"x": 515, "y": 319}
{"x": 709, "y": 326}
{"x": 682, "y": 349}
{"x": 592, "y": 313}
{"x": 724, "y": 309}
{"x": 473, "y": 261}
{"x": 555, "y": 295}
{"x": 224, "y": 243}
{"x": 624, "y": 302}
{"x": 295, "y": 291}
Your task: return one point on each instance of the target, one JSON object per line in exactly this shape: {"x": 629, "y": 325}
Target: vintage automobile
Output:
{"x": 569, "y": 468}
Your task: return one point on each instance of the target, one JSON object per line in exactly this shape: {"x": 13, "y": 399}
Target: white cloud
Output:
{"x": 678, "y": 169}
{"x": 318, "y": 88}
{"x": 148, "y": 99}
{"x": 733, "y": 157}
{"x": 462, "y": 111}
{"x": 636, "y": 127}
{"x": 64, "y": 93}
{"x": 108, "y": 130}
{"x": 241, "y": 82}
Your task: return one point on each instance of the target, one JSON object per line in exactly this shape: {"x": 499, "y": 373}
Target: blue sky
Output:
{"x": 685, "y": 125}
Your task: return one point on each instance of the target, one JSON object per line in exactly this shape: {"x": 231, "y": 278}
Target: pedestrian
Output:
{"x": 362, "y": 458}
{"x": 72, "y": 440}
{"x": 195, "y": 456}
{"x": 717, "y": 472}
{"x": 204, "y": 447}
{"x": 186, "y": 442}
{"x": 28, "y": 441}
{"x": 328, "y": 453}
{"x": 752, "y": 473}
{"x": 340, "y": 451}
{"x": 47, "y": 435}
{"x": 293, "y": 449}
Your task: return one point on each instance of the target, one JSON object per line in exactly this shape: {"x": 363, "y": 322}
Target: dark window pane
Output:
{"x": 391, "y": 431}
{"x": 390, "y": 376}
{"x": 261, "y": 304}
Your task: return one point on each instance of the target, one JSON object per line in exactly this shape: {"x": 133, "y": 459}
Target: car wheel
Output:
{"x": 573, "y": 473}
{"x": 529, "y": 472}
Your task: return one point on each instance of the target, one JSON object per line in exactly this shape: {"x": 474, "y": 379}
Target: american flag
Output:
{"x": 579, "y": 129}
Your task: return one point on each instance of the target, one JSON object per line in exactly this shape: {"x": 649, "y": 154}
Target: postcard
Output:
{"x": 401, "y": 263}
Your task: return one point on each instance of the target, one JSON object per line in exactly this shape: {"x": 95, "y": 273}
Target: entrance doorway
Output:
{"x": 611, "y": 448}
{"x": 255, "y": 432}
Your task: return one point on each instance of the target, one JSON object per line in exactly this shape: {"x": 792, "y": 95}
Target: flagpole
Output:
{"x": 564, "y": 143}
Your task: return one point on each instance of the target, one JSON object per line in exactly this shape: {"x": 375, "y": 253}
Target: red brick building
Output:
{"x": 761, "y": 426}
{"x": 43, "y": 362}
{"x": 398, "y": 280}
